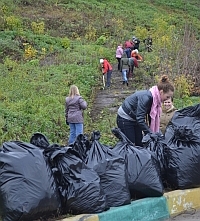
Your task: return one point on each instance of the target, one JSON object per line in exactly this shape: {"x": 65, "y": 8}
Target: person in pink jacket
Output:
{"x": 119, "y": 53}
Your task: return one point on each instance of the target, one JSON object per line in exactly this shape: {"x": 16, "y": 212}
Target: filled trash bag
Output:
{"x": 143, "y": 170}
{"x": 158, "y": 148}
{"x": 112, "y": 171}
{"x": 27, "y": 187}
{"x": 82, "y": 144}
{"x": 39, "y": 140}
{"x": 79, "y": 185}
{"x": 183, "y": 153}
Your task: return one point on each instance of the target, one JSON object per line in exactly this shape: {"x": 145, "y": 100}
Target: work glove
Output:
{"x": 67, "y": 122}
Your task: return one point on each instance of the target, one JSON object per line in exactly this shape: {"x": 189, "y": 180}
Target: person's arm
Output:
{"x": 82, "y": 103}
{"x": 140, "y": 58}
{"x": 121, "y": 51}
{"x": 102, "y": 68}
{"x": 142, "y": 110}
{"x": 66, "y": 113}
{"x": 66, "y": 108}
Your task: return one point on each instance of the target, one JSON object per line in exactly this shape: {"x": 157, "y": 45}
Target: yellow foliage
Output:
{"x": 29, "y": 52}
{"x": 65, "y": 42}
{"x": 163, "y": 33}
{"x": 161, "y": 26}
{"x": 75, "y": 36}
{"x": 10, "y": 64}
{"x": 43, "y": 52}
{"x": 51, "y": 49}
{"x": 183, "y": 86}
{"x": 101, "y": 51}
{"x": 4, "y": 9}
{"x": 38, "y": 28}
{"x": 91, "y": 33}
{"x": 142, "y": 33}
{"x": 13, "y": 23}
{"x": 118, "y": 23}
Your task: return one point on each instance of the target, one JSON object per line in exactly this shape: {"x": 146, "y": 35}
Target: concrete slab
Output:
{"x": 182, "y": 200}
{"x": 148, "y": 209}
{"x": 83, "y": 217}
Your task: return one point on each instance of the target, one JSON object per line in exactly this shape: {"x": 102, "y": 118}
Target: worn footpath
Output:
{"x": 110, "y": 98}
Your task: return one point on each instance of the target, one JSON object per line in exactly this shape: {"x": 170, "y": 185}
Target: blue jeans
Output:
{"x": 124, "y": 75}
{"x": 109, "y": 73}
{"x": 131, "y": 130}
{"x": 75, "y": 130}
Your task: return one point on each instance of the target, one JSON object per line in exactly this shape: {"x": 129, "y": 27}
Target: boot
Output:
{"x": 123, "y": 82}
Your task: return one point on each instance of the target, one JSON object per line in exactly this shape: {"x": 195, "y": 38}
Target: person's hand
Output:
{"x": 154, "y": 136}
{"x": 67, "y": 122}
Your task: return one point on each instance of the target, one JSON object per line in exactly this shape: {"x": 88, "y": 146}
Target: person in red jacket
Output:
{"x": 106, "y": 69}
{"x": 135, "y": 54}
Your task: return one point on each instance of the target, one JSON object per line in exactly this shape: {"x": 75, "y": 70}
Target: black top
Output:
{"x": 138, "y": 106}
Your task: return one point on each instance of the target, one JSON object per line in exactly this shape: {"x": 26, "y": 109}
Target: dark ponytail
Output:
{"x": 165, "y": 85}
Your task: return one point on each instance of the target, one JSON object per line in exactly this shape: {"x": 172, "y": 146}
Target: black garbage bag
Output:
{"x": 158, "y": 148}
{"x": 39, "y": 140}
{"x": 79, "y": 185}
{"x": 82, "y": 144}
{"x": 143, "y": 170}
{"x": 183, "y": 155}
{"x": 112, "y": 171}
{"x": 27, "y": 187}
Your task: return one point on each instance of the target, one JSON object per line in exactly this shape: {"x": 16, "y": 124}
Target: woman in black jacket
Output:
{"x": 132, "y": 114}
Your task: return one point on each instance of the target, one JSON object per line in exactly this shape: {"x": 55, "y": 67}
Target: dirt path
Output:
{"x": 111, "y": 98}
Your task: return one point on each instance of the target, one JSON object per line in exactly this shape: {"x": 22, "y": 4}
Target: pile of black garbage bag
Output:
{"x": 39, "y": 179}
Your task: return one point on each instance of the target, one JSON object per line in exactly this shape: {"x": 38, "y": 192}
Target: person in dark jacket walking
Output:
{"x": 148, "y": 43}
{"x": 132, "y": 114}
{"x": 136, "y": 42}
{"x": 74, "y": 106}
{"x": 128, "y": 63}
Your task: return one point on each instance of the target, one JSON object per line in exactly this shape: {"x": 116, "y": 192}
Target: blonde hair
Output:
{"x": 165, "y": 85}
{"x": 73, "y": 91}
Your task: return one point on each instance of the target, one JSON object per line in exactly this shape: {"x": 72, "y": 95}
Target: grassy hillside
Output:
{"x": 47, "y": 45}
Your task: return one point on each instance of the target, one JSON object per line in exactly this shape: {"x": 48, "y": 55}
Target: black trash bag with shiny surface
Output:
{"x": 142, "y": 167}
{"x": 112, "y": 172}
{"x": 27, "y": 187}
{"x": 183, "y": 154}
{"x": 79, "y": 185}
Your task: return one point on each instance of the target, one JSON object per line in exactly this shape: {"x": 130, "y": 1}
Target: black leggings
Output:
{"x": 119, "y": 62}
{"x": 131, "y": 130}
